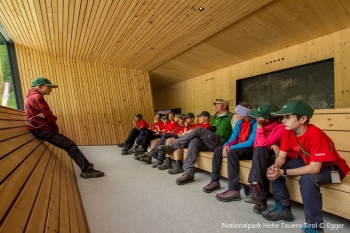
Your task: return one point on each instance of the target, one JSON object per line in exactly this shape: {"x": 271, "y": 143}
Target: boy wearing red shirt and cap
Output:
{"x": 318, "y": 163}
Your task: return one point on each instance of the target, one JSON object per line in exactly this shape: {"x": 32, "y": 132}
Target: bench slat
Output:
{"x": 18, "y": 216}
{"x": 9, "y": 163}
{"x": 11, "y": 110}
{"x": 12, "y": 185}
{"x": 5, "y": 124}
{"x": 336, "y": 122}
{"x": 73, "y": 219}
{"x": 64, "y": 209}
{"x": 37, "y": 221}
{"x": 10, "y": 133}
{"x": 52, "y": 222}
{"x": 9, "y": 116}
{"x": 13, "y": 143}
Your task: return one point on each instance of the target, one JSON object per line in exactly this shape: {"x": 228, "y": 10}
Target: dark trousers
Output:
{"x": 162, "y": 141}
{"x": 145, "y": 137}
{"x": 309, "y": 188}
{"x": 262, "y": 159}
{"x": 64, "y": 143}
{"x": 233, "y": 157}
{"x": 134, "y": 133}
{"x": 200, "y": 139}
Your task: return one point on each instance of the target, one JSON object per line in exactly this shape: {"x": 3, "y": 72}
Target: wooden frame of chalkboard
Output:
{"x": 312, "y": 83}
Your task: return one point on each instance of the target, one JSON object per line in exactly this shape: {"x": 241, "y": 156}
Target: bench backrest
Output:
{"x": 336, "y": 124}
{"x": 38, "y": 189}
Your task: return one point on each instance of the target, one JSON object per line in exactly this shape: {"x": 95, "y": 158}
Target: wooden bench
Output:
{"x": 336, "y": 197}
{"x": 38, "y": 187}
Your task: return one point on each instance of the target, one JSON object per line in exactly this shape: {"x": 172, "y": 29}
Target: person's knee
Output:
{"x": 307, "y": 180}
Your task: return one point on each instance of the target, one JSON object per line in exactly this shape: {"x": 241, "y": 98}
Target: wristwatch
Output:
{"x": 284, "y": 172}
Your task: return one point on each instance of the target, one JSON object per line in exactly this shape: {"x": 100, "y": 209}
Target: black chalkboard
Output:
{"x": 312, "y": 83}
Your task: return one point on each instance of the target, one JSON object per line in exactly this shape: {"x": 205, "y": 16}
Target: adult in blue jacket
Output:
{"x": 238, "y": 147}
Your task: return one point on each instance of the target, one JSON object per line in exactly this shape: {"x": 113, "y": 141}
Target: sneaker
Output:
{"x": 213, "y": 185}
{"x": 140, "y": 149}
{"x": 229, "y": 195}
{"x": 278, "y": 212}
{"x": 146, "y": 160}
{"x": 307, "y": 229}
{"x": 125, "y": 151}
{"x": 157, "y": 164}
{"x": 254, "y": 196}
{"x": 166, "y": 149}
{"x": 137, "y": 156}
{"x": 122, "y": 145}
{"x": 177, "y": 168}
{"x": 90, "y": 172}
{"x": 260, "y": 207}
{"x": 184, "y": 179}
{"x": 166, "y": 165}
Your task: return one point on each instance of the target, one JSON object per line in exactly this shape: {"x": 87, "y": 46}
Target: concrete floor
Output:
{"x": 133, "y": 197}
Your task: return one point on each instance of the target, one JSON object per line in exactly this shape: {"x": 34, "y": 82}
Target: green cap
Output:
{"x": 182, "y": 116}
{"x": 43, "y": 81}
{"x": 165, "y": 117}
{"x": 190, "y": 115}
{"x": 138, "y": 115}
{"x": 264, "y": 111}
{"x": 204, "y": 113}
{"x": 295, "y": 107}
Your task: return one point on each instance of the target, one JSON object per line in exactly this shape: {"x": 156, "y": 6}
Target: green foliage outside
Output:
{"x": 5, "y": 73}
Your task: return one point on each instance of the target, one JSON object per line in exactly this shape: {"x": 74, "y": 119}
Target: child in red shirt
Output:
{"x": 317, "y": 159}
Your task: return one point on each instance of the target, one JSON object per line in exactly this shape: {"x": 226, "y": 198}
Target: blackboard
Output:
{"x": 312, "y": 83}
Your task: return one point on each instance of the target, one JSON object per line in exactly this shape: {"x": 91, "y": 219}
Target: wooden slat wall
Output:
{"x": 94, "y": 103}
{"x": 198, "y": 93}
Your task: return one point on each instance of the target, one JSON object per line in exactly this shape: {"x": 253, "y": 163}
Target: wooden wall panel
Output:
{"x": 94, "y": 103}
{"x": 199, "y": 92}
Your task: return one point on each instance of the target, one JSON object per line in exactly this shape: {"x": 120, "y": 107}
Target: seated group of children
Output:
{"x": 280, "y": 143}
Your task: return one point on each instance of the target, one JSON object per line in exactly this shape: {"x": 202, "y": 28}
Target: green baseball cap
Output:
{"x": 182, "y": 116}
{"x": 295, "y": 107}
{"x": 43, "y": 81}
{"x": 165, "y": 117}
{"x": 190, "y": 115}
{"x": 204, "y": 113}
{"x": 264, "y": 111}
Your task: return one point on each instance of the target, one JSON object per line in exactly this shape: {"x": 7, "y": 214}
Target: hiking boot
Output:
{"x": 152, "y": 154}
{"x": 122, "y": 145}
{"x": 157, "y": 164}
{"x": 260, "y": 207}
{"x": 140, "y": 149}
{"x": 90, "y": 172}
{"x": 166, "y": 149}
{"x": 134, "y": 149}
{"x": 229, "y": 195}
{"x": 278, "y": 212}
{"x": 125, "y": 151}
{"x": 146, "y": 160}
{"x": 307, "y": 229}
{"x": 184, "y": 179}
{"x": 137, "y": 156}
{"x": 213, "y": 185}
{"x": 177, "y": 168}
{"x": 254, "y": 196}
{"x": 166, "y": 165}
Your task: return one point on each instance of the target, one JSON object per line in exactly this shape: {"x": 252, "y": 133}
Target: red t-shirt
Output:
{"x": 315, "y": 142}
{"x": 204, "y": 125}
{"x": 179, "y": 129}
{"x": 141, "y": 124}
{"x": 158, "y": 123}
{"x": 170, "y": 126}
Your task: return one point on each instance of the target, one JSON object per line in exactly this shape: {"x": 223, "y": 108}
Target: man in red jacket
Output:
{"x": 42, "y": 123}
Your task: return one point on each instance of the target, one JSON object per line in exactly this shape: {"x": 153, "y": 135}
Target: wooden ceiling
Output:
{"x": 170, "y": 38}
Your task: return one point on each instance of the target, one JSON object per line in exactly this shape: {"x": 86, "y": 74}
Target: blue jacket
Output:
{"x": 234, "y": 136}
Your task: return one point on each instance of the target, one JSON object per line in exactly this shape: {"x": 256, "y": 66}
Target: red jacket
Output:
{"x": 35, "y": 104}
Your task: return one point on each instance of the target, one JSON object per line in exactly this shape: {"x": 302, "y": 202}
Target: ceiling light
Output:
{"x": 200, "y": 8}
